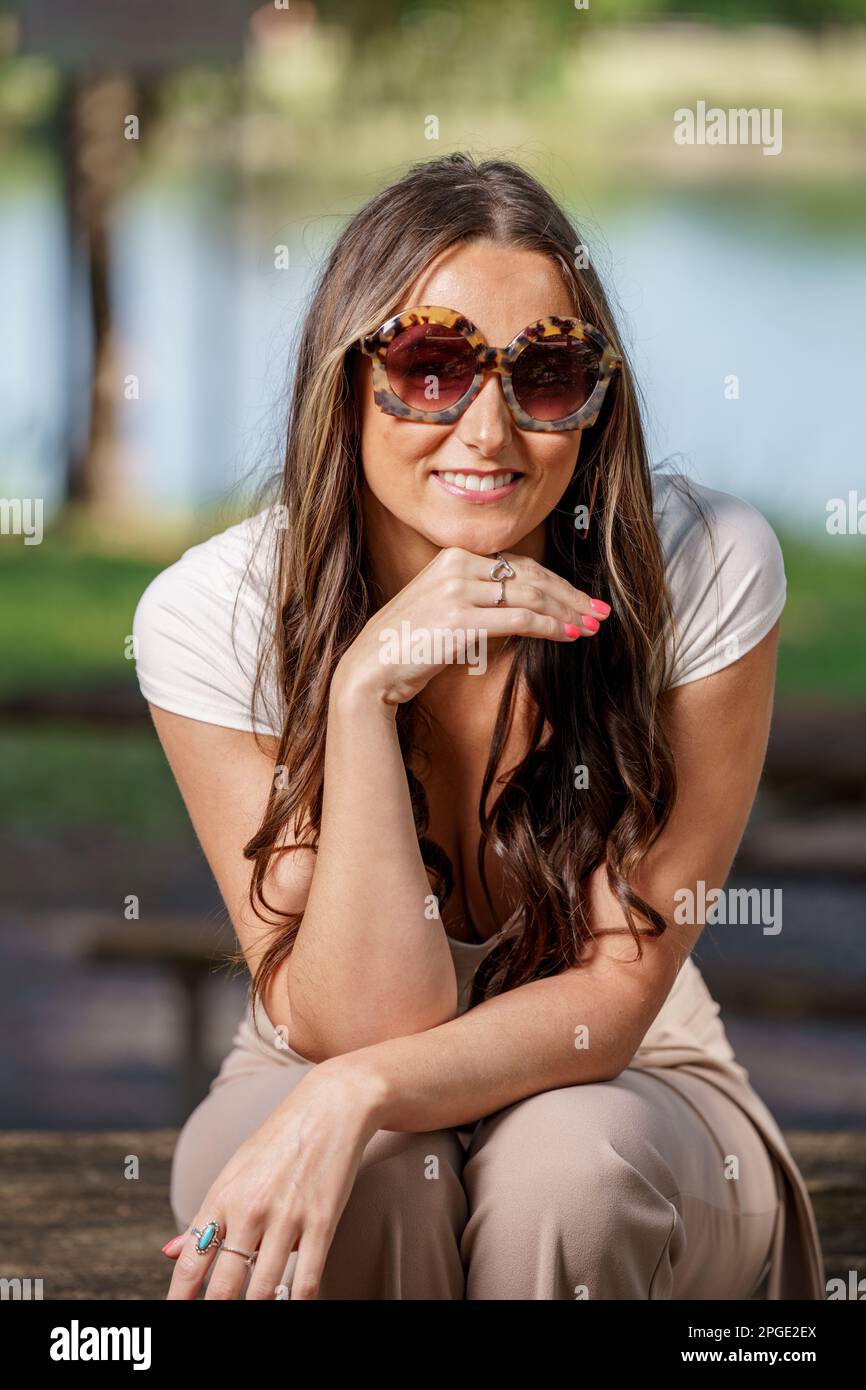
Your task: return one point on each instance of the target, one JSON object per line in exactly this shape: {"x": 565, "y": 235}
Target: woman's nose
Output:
{"x": 486, "y": 424}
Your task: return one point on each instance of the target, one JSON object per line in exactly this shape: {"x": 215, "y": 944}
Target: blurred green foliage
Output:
{"x": 347, "y": 90}
{"x": 368, "y": 20}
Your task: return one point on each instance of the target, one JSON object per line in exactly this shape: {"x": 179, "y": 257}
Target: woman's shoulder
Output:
{"x": 725, "y": 573}
{"x": 199, "y": 628}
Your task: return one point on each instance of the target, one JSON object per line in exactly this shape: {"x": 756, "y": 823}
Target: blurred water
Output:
{"x": 206, "y": 322}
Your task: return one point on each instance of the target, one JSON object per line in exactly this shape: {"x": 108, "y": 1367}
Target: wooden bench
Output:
{"x": 73, "y": 1220}
{"x": 189, "y": 949}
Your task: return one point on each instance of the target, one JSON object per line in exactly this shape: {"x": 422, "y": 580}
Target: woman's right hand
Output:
{"x": 455, "y": 594}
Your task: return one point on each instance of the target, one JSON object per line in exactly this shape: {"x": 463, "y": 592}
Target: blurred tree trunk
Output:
{"x": 96, "y": 162}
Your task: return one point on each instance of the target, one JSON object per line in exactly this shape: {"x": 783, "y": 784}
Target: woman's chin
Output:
{"x": 479, "y": 540}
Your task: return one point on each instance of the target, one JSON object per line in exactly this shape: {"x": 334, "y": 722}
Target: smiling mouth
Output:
{"x": 476, "y": 486}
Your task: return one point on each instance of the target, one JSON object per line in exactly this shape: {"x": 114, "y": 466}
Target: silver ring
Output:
{"x": 245, "y": 1254}
{"x": 499, "y": 572}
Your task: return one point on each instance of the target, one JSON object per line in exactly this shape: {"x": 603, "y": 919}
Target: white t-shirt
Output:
{"x": 198, "y": 624}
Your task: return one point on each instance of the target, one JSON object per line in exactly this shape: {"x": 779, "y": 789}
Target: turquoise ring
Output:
{"x": 209, "y": 1237}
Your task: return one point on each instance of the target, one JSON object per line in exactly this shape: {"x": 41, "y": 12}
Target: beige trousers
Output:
{"x": 625, "y": 1189}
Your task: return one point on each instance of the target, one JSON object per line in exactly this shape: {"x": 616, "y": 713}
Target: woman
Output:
{"x": 457, "y": 720}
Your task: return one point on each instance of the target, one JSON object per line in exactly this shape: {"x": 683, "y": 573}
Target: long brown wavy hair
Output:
{"x": 600, "y": 700}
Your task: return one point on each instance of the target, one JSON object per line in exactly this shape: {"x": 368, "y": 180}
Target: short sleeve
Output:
{"x": 198, "y": 629}
{"x": 725, "y": 574}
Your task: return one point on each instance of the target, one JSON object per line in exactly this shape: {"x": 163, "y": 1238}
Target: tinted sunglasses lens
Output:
{"x": 556, "y": 376}
{"x": 430, "y": 366}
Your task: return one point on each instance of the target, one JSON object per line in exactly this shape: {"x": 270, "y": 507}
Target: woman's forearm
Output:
{"x": 371, "y": 960}
{"x": 581, "y": 1026}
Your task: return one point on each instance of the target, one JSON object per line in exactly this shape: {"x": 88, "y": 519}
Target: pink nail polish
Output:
{"x": 169, "y": 1243}
{"x": 591, "y": 624}
{"x": 571, "y": 630}
{"x": 598, "y": 606}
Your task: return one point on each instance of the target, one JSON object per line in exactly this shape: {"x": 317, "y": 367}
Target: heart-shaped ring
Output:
{"x": 502, "y": 569}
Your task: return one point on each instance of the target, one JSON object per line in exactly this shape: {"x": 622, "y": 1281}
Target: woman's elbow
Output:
{"x": 320, "y": 1039}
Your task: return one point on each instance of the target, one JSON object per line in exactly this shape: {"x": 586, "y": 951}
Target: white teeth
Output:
{"x": 475, "y": 482}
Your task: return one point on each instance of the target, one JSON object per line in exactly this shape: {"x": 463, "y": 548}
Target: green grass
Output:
{"x": 823, "y": 643}
{"x": 55, "y": 778}
{"x": 65, "y": 616}
{"x": 64, "y": 620}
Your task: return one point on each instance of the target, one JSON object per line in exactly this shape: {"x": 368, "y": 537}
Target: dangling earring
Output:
{"x": 585, "y": 532}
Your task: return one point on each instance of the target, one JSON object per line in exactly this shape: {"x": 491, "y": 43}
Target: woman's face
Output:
{"x": 407, "y": 501}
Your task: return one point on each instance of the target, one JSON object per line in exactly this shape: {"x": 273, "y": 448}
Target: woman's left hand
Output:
{"x": 286, "y": 1187}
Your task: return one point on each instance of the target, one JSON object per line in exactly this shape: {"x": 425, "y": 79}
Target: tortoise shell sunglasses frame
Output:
{"x": 488, "y": 359}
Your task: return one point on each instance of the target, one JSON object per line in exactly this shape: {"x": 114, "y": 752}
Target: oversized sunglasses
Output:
{"x": 430, "y": 363}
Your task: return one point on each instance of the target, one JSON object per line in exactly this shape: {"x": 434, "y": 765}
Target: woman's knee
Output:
{"x": 572, "y": 1142}
{"x": 568, "y": 1184}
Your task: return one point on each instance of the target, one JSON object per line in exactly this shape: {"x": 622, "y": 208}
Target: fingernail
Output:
{"x": 169, "y": 1243}
{"x": 591, "y": 624}
{"x": 599, "y": 606}
{"x": 571, "y": 630}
